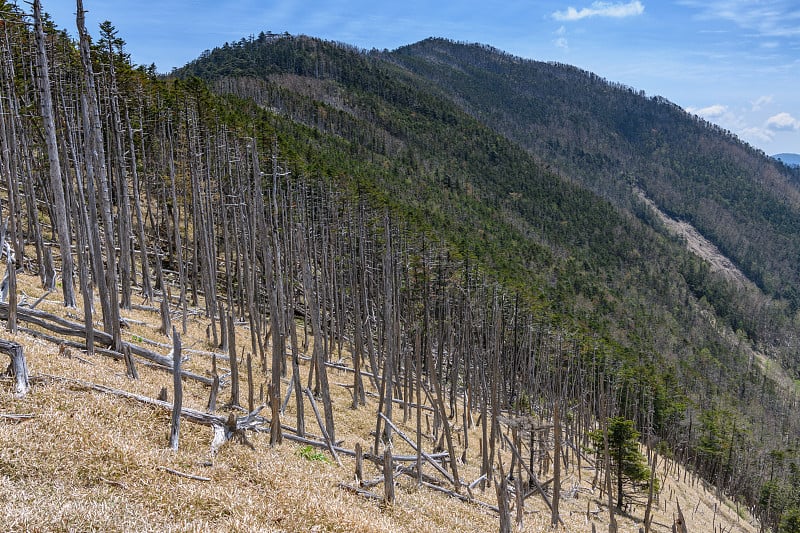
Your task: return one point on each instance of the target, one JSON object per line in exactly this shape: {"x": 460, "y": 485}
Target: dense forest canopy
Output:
{"x": 442, "y": 199}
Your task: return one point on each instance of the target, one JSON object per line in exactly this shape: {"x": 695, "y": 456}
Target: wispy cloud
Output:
{"x": 760, "y": 102}
{"x": 764, "y": 133}
{"x": 561, "y": 38}
{"x": 710, "y": 112}
{"x": 771, "y": 18}
{"x": 757, "y": 134}
{"x": 601, "y": 9}
{"x": 783, "y": 122}
{"x": 736, "y": 122}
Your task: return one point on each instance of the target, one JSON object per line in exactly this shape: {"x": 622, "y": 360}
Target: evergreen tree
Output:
{"x": 627, "y": 462}
{"x": 790, "y": 522}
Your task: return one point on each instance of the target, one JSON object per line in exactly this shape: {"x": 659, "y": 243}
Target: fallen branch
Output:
{"x": 330, "y": 445}
{"x": 115, "y": 483}
{"x": 183, "y": 474}
{"x": 187, "y": 351}
{"x": 16, "y": 417}
{"x": 39, "y": 300}
{"x": 427, "y": 457}
{"x": 361, "y": 492}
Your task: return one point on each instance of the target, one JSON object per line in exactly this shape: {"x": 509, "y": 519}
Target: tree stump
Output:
{"x": 18, "y": 367}
{"x": 388, "y": 477}
{"x": 359, "y": 463}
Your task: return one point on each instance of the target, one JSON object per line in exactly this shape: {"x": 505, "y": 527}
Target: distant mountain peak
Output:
{"x": 793, "y": 160}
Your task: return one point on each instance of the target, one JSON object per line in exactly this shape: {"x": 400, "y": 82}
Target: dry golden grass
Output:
{"x": 89, "y": 461}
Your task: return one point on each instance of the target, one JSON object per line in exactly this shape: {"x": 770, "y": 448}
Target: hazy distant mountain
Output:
{"x": 793, "y": 160}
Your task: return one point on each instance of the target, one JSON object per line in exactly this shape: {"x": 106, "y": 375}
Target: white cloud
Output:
{"x": 757, "y": 134}
{"x": 601, "y": 9}
{"x": 712, "y": 111}
{"x": 761, "y": 101}
{"x": 561, "y": 40}
{"x": 742, "y": 121}
{"x": 783, "y": 122}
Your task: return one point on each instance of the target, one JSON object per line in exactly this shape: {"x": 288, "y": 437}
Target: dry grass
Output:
{"x": 88, "y": 461}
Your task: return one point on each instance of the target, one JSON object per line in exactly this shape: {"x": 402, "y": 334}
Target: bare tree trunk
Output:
{"x": 556, "y": 463}
{"x": 648, "y": 517}
{"x": 502, "y": 502}
{"x": 318, "y": 357}
{"x": 234, "y": 362}
{"x": 11, "y": 273}
{"x": 177, "y": 403}
{"x": 96, "y": 169}
{"x": 8, "y": 143}
{"x": 56, "y": 180}
{"x": 123, "y": 198}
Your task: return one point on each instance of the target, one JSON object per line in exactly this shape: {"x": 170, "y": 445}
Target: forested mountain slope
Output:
{"x": 618, "y": 142}
{"x": 538, "y": 171}
{"x": 285, "y": 183}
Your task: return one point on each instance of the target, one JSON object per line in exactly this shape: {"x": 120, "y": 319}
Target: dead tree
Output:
{"x": 177, "y": 403}
{"x": 319, "y": 355}
{"x": 96, "y": 169}
{"x": 56, "y": 180}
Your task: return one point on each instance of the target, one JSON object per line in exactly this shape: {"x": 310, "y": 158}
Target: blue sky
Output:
{"x": 734, "y": 62}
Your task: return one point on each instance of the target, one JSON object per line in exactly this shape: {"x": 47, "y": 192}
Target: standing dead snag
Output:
{"x": 556, "y": 464}
{"x": 11, "y": 285}
{"x": 502, "y": 500}
{"x": 56, "y": 181}
{"x": 178, "y": 392}
{"x": 234, "y": 362}
{"x": 97, "y": 177}
{"x": 18, "y": 367}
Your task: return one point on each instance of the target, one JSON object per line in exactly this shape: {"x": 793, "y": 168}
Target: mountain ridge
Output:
{"x": 599, "y": 128}
{"x": 602, "y": 258}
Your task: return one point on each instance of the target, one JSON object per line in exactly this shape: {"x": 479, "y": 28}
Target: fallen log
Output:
{"x": 114, "y": 355}
{"x": 461, "y": 497}
{"x": 531, "y": 475}
{"x": 330, "y": 444}
{"x": 61, "y": 326}
{"x": 248, "y": 421}
{"x": 224, "y": 428}
{"x": 427, "y": 457}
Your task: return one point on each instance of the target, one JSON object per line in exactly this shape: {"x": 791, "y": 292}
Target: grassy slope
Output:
{"x": 90, "y": 461}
